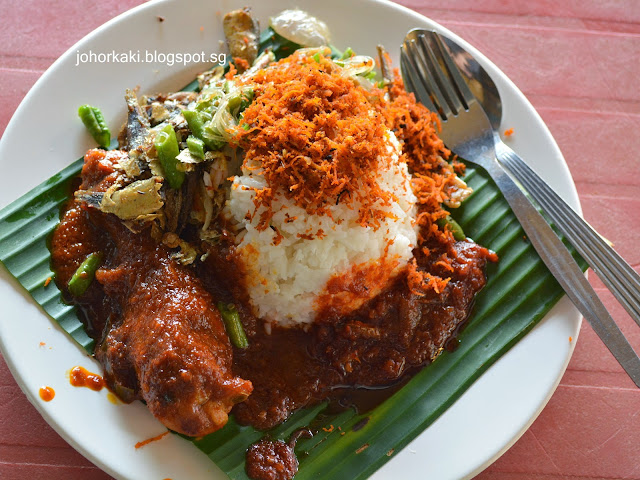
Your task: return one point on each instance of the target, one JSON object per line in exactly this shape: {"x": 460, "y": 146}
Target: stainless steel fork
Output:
{"x": 617, "y": 275}
{"x": 430, "y": 73}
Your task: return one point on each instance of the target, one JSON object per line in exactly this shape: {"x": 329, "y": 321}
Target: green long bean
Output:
{"x": 196, "y": 147}
{"x": 232, "y": 322}
{"x": 196, "y": 121}
{"x": 167, "y": 148}
{"x": 83, "y": 276}
{"x": 94, "y": 121}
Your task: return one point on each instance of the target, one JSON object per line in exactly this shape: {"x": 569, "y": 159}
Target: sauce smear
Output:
{"x": 81, "y": 377}
{"x": 47, "y": 393}
{"x": 152, "y": 439}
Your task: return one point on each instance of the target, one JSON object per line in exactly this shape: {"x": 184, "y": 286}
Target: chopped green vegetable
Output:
{"x": 83, "y": 276}
{"x": 454, "y": 226}
{"x": 317, "y": 57}
{"x": 209, "y": 100}
{"x": 238, "y": 103}
{"x": 95, "y": 123}
{"x": 221, "y": 128}
{"x": 196, "y": 146}
{"x": 348, "y": 53}
{"x": 232, "y": 321}
{"x": 167, "y": 147}
{"x": 196, "y": 122}
{"x": 370, "y": 76}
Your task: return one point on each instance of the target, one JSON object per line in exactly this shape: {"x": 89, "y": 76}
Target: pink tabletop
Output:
{"x": 581, "y": 72}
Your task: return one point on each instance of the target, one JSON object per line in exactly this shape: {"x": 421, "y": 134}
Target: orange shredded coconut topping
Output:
{"x": 320, "y": 139}
{"x": 433, "y": 177}
{"x": 241, "y": 63}
{"x": 317, "y": 139}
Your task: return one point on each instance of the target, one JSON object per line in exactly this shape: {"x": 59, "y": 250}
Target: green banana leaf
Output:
{"x": 347, "y": 445}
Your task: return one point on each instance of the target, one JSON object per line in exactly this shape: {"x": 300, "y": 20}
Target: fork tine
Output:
{"x": 454, "y": 73}
{"x": 419, "y": 52}
{"x": 451, "y": 99}
{"x": 412, "y": 77}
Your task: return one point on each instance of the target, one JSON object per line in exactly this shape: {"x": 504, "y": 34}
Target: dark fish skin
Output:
{"x": 243, "y": 34}
{"x": 137, "y": 127}
{"x": 93, "y": 199}
{"x": 179, "y": 203}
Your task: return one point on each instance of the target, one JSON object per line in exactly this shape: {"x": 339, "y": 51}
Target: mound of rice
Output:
{"x": 331, "y": 264}
{"x": 324, "y": 210}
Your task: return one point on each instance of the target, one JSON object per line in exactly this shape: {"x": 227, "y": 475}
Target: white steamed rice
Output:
{"x": 287, "y": 282}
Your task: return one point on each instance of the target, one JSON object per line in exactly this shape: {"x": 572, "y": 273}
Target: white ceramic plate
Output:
{"x": 477, "y": 429}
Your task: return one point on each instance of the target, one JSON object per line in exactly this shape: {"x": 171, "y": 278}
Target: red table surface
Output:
{"x": 581, "y": 73}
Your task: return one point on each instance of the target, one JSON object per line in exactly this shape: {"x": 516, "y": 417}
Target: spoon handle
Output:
{"x": 622, "y": 280}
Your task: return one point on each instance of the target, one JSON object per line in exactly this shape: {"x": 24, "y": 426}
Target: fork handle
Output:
{"x": 617, "y": 275}
{"x": 566, "y": 271}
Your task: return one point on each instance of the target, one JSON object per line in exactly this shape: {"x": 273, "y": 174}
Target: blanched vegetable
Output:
{"x": 228, "y": 113}
{"x": 196, "y": 121}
